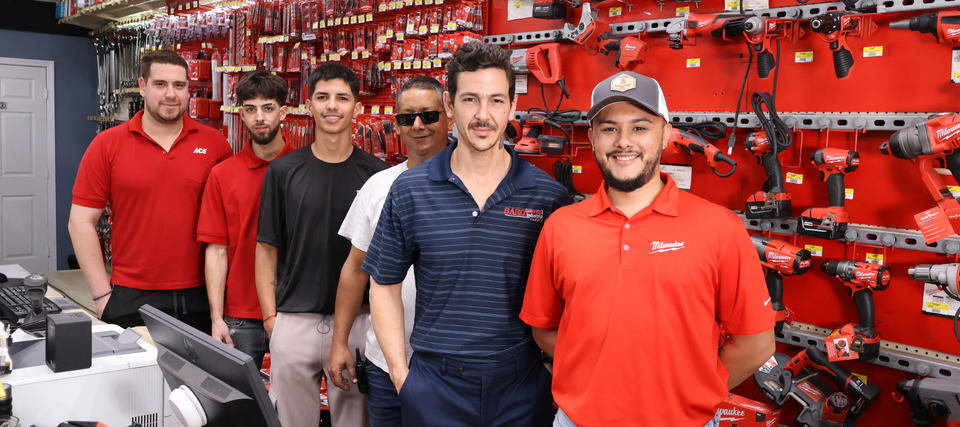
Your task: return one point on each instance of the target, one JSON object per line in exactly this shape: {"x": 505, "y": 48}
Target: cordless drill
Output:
{"x": 691, "y": 143}
{"x": 945, "y": 276}
{"x": 833, "y": 28}
{"x": 695, "y": 25}
{"x": 830, "y": 222}
{"x": 760, "y": 31}
{"x": 779, "y": 258}
{"x": 943, "y": 25}
{"x": 773, "y": 201}
{"x": 931, "y": 399}
{"x": 928, "y": 141}
{"x": 861, "y": 280}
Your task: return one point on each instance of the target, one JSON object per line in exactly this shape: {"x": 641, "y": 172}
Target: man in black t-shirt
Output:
{"x": 306, "y": 195}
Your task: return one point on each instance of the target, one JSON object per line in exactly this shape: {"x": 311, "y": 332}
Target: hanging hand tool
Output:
{"x": 693, "y": 26}
{"x": 631, "y": 50}
{"x": 773, "y": 200}
{"x": 931, "y": 399}
{"x": 861, "y": 280}
{"x": 945, "y": 276}
{"x": 543, "y": 61}
{"x": 691, "y": 143}
{"x": 945, "y": 25}
{"x": 833, "y": 28}
{"x": 830, "y": 222}
{"x": 760, "y": 31}
{"x": 937, "y": 137}
{"x": 779, "y": 258}
{"x": 587, "y": 31}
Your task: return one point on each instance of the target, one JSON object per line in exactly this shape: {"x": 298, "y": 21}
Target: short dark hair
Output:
{"x": 422, "y": 83}
{"x": 162, "y": 56}
{"x": 261, "y": 84}
{"x": 474, "y": 56}
{"x": 332, "y": 70}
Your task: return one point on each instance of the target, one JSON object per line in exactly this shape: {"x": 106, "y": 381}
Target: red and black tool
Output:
{"x": 833, "y": 28}
{"x": 861, "y": 280}
{"x": 931, "y": 399}
{"x": 760, "y": 31}
{"x": 725, "y": 26}
{"x": 779, "y": 259}
{"x": 631, "y": 50}
{"x": 773, "y": 200}
{"x": 830, "y": 222}
{"x": 945, "y": 25}
{"x": 691, "y": 143}
{"x": 929, "y": 141}
{"x": 543, "y": 61}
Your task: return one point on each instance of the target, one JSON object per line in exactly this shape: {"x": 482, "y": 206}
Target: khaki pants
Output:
{"x": 299, "y": 350}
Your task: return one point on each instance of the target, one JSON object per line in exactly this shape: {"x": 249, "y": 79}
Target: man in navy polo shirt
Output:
{"x": 468, "y": 220}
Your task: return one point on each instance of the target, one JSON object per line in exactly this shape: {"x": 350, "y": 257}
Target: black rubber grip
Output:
{"x": 723, "y": 158}
{"x": 774, "y": 174}
{"x": 765, "y": 63}
{"x": 835, "y": 189}
{"x": 775, "y": 288}
{"x": 865, "y": 311}
{"x": 842, "y": 61}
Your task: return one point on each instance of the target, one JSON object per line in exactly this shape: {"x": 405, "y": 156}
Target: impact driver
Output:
{"x": 861, "y": 280}
{"x": 937, "y": 137}
{"x": 830, "y": 222}
{"x": 779, "y": 258}
{"x": 773, "y": 201}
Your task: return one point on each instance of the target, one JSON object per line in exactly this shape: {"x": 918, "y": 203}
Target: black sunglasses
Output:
{"x": 427, "y": 117}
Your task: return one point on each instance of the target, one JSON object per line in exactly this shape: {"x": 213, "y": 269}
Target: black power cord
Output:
{"x": 563, "y": 173}
{"x": 736, "y": 115}
{"x": 705, "y": 130}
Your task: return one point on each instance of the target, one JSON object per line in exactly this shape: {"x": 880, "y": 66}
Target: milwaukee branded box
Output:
{"x": 738, "y": 411}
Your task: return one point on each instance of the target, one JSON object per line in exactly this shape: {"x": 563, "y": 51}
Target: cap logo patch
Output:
{"x": 623, "y": 83}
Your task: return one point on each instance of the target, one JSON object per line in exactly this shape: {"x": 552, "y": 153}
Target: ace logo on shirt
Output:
{"x": 200, "y": 151}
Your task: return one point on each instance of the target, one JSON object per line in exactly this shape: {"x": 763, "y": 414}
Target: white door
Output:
{"x": 24, "y": 171}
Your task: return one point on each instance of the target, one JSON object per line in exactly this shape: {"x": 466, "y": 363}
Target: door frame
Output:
{"x": 51, "y": 152}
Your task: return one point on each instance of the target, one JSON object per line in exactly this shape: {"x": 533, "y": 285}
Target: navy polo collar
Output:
{"x": 520, "y": 174}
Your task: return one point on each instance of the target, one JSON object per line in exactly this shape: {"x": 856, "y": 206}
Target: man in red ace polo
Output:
{"x": 152, "y": 170}
{"x": 622, "y": 277}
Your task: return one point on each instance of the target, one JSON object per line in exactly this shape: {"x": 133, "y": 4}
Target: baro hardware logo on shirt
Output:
{"x": 658, "y": 246}
{"x": 535, "y": 215}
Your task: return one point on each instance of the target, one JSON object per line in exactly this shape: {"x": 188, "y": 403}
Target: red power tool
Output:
{"x": 760, "y": 31}
{"x": 631, "y": 51}
{"x": 543, "y": 61}
{"x": 693, "y": 26}
{"x": 587, "y": 32}
{"x": 783, "y": 377}
{"x": 833, "y": 28}
{"x": 773, "y": 201}
{"x": 861, "y": 280}
{"x": 691, "y": 143}
{"x": 943, "y": 25}
{"x": 831, "y": 222}
{"x": 779, "y": 258}
{"x": 928, "y": 141}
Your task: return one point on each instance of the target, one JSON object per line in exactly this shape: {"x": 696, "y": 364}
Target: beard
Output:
{"x": 628, "y": 185}
{"x": 266, "y": 138}
{"x": 168, "y": 119}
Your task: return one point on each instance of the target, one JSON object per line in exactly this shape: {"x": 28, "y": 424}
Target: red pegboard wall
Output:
{"x": 911, "y": 76}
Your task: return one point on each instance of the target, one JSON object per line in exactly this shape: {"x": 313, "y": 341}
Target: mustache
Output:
{"x": 482, "y": 125}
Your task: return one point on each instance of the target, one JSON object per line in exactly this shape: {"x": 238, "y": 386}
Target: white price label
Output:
{"x": 693, "y": 62}
{"x": 802, "y": 57}
{"x": 814, "y": 250}
{"x": 616, "y": 11}
{"x": 848, "y": 193}
{"x": 872, "y": 51}
{"x": 794, "y": 178}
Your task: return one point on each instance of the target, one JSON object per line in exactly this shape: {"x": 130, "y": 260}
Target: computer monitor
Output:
{"x": 225, "y": 381}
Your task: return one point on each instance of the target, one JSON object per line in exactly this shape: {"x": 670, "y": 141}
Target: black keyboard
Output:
{"x": 16, "y": 298}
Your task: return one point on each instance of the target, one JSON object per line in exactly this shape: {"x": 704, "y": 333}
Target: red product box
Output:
{"x": 199, "y": 69}
{"x": 199, "y": 108}
{"x": 742, "y": 412}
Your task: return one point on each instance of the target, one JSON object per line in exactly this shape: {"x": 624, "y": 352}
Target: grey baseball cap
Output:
{"x": 631, "y": 87}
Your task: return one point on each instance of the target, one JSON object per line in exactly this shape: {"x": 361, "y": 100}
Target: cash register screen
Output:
{"x": 225, "y": 380}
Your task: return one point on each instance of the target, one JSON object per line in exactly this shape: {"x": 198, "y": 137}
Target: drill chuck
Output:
{"x": 849, "y": 271}
{"x": 901, "y": 25}
{"x": 826, "y": 23}
{"x": 908, "y": 143}
{"x": 942, "y": 275}
{"x": 926, "y": 23}
{"x": 754, "y": 25}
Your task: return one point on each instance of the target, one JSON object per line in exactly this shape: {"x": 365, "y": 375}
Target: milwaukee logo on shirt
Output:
{"x": 535, "y": 215}
{"x": 200, "y": 151}
{"x": 657, "y": 246}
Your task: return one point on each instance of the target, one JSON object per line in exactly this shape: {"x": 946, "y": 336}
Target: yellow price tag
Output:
{"x": 693, "y": 62}
{"x": 354, "y": 55}
{"x": 848, "y": 193}
{"x": 875, "y": 258}
{"x": 794, "y": 178}
{"x": 616, "y": 11}
{"x": 436, "y": 63}
{"x": 388, "y": 109}
{"x": 814, "y": 250}
{"x": 375, "y": 109}
{"x": 366, "y": 54}
{"x": 369, "y": 17}
{"x": 872, "y": 51}
{"x": 517, "y": 4}
{"x": 937, "y": 306}
{"x": 577, "y": 169}
{"x": 683, "y": 10}
{"x": 862, "y": 378}
{"x": 803, "y": 57}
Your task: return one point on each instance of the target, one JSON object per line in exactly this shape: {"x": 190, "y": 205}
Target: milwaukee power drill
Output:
{"x": 937, "y": 137}
{"x": 691, "y": 143}
{"x": 773, "y": 201}
{"x": 830, "y": 222}
{"x": 861, "y": 280}
{"x": 945, "y": 276}
{"x": 945, "y": 25}
{"x": 695, "y": 25}
{"x": 779, "y": 258}
{"x": 833, "y": 28}
{"x": 931, "y": 399}
{"x": 760, "y": 31}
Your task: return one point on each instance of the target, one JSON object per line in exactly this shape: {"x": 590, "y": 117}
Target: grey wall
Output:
{"x": 75, "y": 73}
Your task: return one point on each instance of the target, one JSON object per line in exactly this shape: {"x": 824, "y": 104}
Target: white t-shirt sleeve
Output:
{"x": 356, "y": 225}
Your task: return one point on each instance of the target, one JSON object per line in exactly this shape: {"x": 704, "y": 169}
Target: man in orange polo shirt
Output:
{"x": 229, "y": 213}
{"x": 152, "y": 170}
{"x": 628, "y": 290}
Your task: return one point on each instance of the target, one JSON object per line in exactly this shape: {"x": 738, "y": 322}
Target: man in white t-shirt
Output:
{"x": 423, "y": 125}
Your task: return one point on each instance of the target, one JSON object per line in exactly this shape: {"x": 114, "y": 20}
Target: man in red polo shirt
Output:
{"x": 152, "y": 170}
{"x": 229, "y": 213}
{"x": 628, "y": 289}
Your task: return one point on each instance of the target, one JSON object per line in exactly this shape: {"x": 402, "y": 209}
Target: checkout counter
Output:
{"x": 123, "y": 386}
